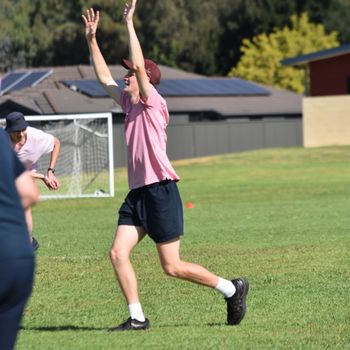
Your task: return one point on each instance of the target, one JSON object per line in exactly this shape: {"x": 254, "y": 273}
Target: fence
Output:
{"x": 198, "y": 139}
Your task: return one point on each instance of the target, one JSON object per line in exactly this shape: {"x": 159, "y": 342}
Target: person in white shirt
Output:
{"x": 31, "y": 144}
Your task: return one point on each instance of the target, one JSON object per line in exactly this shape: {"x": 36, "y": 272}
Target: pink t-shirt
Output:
{"x": 38, "y": 143}
{"x": 145, "y": 135}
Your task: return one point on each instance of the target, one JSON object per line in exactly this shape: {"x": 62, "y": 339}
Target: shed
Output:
{"x": 329, "y": 70}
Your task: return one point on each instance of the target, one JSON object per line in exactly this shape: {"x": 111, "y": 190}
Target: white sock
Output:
{"x": 225, "y": 287}
{"x": 135, "y": 311}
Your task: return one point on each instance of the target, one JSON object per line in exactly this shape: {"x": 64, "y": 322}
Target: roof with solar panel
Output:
{"x": 17, "y": 80}
{"x": 182, "y": 87}
{"x": 74, "y": 89}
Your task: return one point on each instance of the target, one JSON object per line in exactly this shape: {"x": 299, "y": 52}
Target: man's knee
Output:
{"x": 172, "y": 270}
{"x": 117, "y": 255}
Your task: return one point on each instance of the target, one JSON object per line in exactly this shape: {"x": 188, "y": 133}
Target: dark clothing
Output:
{"x": 16, "y": 253}
{"x": 157, "y": 208}
{"x": 14, "y": 236}
{"x": 15, "y": 289}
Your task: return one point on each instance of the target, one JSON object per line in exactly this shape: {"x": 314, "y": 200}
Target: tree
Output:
{"x": 202, "y": 36}
{"x": 242, "y": 19}
{"x": 338, "y": 19}
{"x": 57, "y": 29}
{"x": 14, "y": 34}
{"x": 262, "y": 55}
{"x": 179, "y": 33}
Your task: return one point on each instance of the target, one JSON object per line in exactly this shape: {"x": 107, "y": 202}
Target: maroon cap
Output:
{"x": 151, "y": 67}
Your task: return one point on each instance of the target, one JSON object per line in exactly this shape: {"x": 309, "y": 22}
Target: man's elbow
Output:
{"x": 138, "y": 67}
{"x": 108, "y": 83}
{"x": 57, "y": 142}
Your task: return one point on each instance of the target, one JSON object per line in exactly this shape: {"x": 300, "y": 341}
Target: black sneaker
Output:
{"x": 35, "y": 244}
{"x": 131, "y": 325}
{"x": 236, "y": 305}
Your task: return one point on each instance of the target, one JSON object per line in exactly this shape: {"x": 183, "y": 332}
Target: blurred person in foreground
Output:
{"x": 153, "y": 206}
{"x": 18, "y": 191}
{"x": 31, "y": 144}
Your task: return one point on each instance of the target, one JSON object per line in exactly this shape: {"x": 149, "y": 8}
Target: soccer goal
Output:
{"x": 84, "y": 166}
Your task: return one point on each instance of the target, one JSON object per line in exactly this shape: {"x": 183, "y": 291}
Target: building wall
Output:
{"x": 326, "y": 121}
{"x": 198, "y": 139}
{"x": 330, "y": 76}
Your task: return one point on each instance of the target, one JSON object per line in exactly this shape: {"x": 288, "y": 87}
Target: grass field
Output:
{"x": 280, "y": 217}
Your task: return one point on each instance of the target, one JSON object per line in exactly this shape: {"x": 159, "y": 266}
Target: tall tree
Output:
{"x": 244, "y": 19}
{"x": 203, "y": 36}
{"x": 181, "y": 33}
{"x": 15, "y": 34}
{"x": 262, "y": 55}
{"x": 338, "y": 19}
{"x": 57, "y": 32}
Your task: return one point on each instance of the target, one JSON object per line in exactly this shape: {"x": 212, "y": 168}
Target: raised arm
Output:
{"x": 135, "y": 51}
{"x": 102, "y": 71}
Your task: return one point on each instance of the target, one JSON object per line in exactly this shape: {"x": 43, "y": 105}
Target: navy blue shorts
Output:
{"x": 157, "y": 208}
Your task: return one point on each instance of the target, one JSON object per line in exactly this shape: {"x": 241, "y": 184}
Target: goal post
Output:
{"x": 84, "y": 166}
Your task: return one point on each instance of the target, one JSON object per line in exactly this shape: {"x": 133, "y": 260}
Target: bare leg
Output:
{"x": 126, "y": 238}
{"x": 169, "y": 254}
{"x": 29, "y": 220}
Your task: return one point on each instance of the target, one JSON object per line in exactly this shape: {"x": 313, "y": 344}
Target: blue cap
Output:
{"x": 15, "y": 122}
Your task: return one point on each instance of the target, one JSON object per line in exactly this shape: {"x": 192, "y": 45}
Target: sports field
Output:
{"x": 280, "y": 217}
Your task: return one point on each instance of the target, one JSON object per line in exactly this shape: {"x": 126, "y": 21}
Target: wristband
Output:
{"x": 51, "y": 169}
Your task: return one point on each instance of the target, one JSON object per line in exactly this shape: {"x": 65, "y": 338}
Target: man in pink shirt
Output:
{"x": 153, "y": 205}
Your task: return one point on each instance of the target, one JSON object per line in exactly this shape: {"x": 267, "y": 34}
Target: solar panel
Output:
{"x": 20, "y": 80}
{"x": 32, "y": 79}
{"x": 182, "y": 87}
{"x": 90, "y": 88}
{"x": 10, "y": 79}
{"x": 210, "y": 87}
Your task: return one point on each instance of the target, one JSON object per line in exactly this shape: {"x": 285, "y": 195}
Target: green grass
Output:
{"x": 80, "y": 184}
{"x": 280, "y": 217}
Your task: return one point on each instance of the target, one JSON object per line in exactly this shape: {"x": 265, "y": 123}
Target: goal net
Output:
{"x": 84, "y": 166}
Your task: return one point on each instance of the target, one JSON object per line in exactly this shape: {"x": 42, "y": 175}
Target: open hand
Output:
{"x": 129, "y": 11}
{"x": 91, "y": 22}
